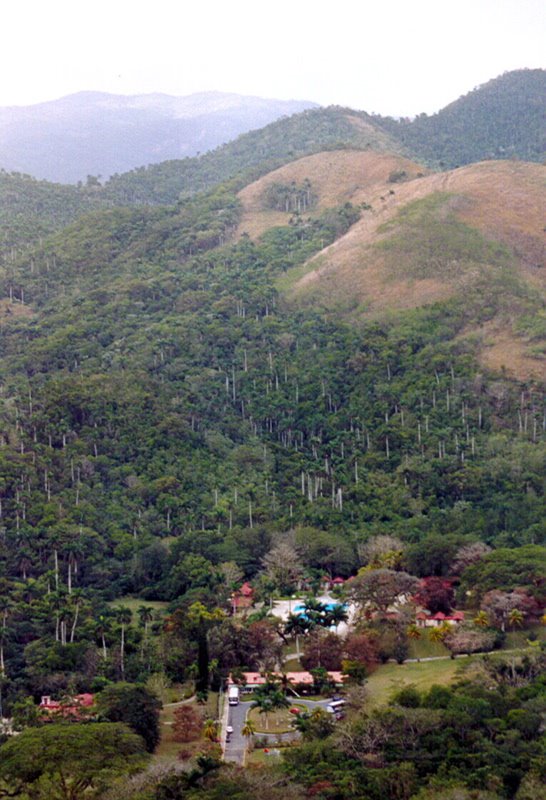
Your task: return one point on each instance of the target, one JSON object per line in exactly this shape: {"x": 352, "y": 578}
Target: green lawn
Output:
{"x": 260, "y": 756}
{"x": 519, "y": 638}
{"x": 292, "y": 664}
{"x": 424, "y": 648}
{"x": 134, "y": 603}
{"x": 276, "y": 722}
{"x": 389, "y": 678}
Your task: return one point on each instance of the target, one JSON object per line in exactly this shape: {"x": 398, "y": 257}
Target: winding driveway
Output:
{"x": 235, "y": 749}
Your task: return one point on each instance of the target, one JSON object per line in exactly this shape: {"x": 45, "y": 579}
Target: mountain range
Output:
{"x": 97, "y": 134}
{"x": 94, "y": 133}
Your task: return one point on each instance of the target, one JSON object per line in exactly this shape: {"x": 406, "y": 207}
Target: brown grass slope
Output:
{"x": 474, "y": 232}
{"x": 336, "y": 177}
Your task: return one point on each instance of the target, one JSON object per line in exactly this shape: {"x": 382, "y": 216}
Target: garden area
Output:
{"x": 185, "y": 729}
{"x": 278, "y": 720}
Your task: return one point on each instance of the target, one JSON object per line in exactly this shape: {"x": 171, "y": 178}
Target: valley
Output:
{"x": 303, "y": 370}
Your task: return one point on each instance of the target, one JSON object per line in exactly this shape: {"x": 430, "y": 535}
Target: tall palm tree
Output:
{"x": 76, "y": 600}
{"x": 101, "y": 629}
{"x": 315, "y": 610}
{"x": 74, "y": 555}
{"x": 335, "y": 615}
{"x": 25, "y": 563}
{"x": 265, "y": 707}
{"x": 124, "y": 616}
{"x": 279, "y": 700}
{"x": 248, "y": 730}
{"x": 297, "y": 625}
{"x": 146, "y": 615}
{"x": 5, "y": 607}
{"x": 272, "y": 701}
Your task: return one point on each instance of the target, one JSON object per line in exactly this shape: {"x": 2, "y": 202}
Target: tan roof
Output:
{"x": 259, "y": 679}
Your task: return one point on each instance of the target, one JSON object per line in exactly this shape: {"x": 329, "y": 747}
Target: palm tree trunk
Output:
{"x": 75, "y": 622}
{"x": 122, "y": 652}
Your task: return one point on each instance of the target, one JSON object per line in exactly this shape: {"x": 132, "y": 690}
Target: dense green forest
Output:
{"x": 504, "y": 118}
{"x": 161, "y": 387}
{"x": 169, "y": 421}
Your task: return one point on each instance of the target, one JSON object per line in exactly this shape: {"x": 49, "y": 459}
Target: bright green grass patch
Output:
{"x": 390, "y": 678}
{"x": 424, "y": 648}
{"x": 287, "y": 280}
{"x": 292, "y": 663}
{"x": 134, "y": 603}
{"x": 260, "y": 756}
{"x": 279, "y": 721}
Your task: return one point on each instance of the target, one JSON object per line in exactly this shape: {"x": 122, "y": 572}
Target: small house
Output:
{"x": 242, "y": 598}
{"x": 424, "y": 619}
{"x": 72, "y": 707}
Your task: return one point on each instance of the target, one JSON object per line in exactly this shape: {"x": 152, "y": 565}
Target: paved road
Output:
{"x": 234, "y": 750}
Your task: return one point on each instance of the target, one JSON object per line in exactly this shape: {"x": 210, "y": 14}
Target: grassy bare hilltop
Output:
{"x": 422, "y": 238}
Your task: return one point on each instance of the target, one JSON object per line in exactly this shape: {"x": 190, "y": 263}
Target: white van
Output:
{"x": 233, "y": 695}
{"x": 335, "y": 707}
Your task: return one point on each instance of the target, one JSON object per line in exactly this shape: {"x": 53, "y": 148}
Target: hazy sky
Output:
{"x": 396, "y": 57}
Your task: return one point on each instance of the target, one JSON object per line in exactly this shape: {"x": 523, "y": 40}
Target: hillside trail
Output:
{"x": 180, "y": 702}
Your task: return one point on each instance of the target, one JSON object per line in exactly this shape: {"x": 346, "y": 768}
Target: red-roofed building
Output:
{"x": 242, "y": 598}
{"x": 424, "y": 619}
{"x": 72, "y": 708}
{"x": 330, "y": 583}
{"x": 252, "y": 679}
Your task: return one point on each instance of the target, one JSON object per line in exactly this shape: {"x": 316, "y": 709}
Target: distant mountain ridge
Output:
{"x": 31, "y": 208}
{"x": 95, "y": 133}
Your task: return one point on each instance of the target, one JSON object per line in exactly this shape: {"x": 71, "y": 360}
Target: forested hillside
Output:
{"x": 30, "y": 208}
{"x": 160, "y": 386}
{"x": 176, "y": 419}
{"x": 504, "y": 118}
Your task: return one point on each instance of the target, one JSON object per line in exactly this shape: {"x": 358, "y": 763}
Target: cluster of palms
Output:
{"x": 314, "y": 613}
{"x": 269, "y": 698}
{"x": 124, "y": 617}
{"x": 62, "y": 609}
